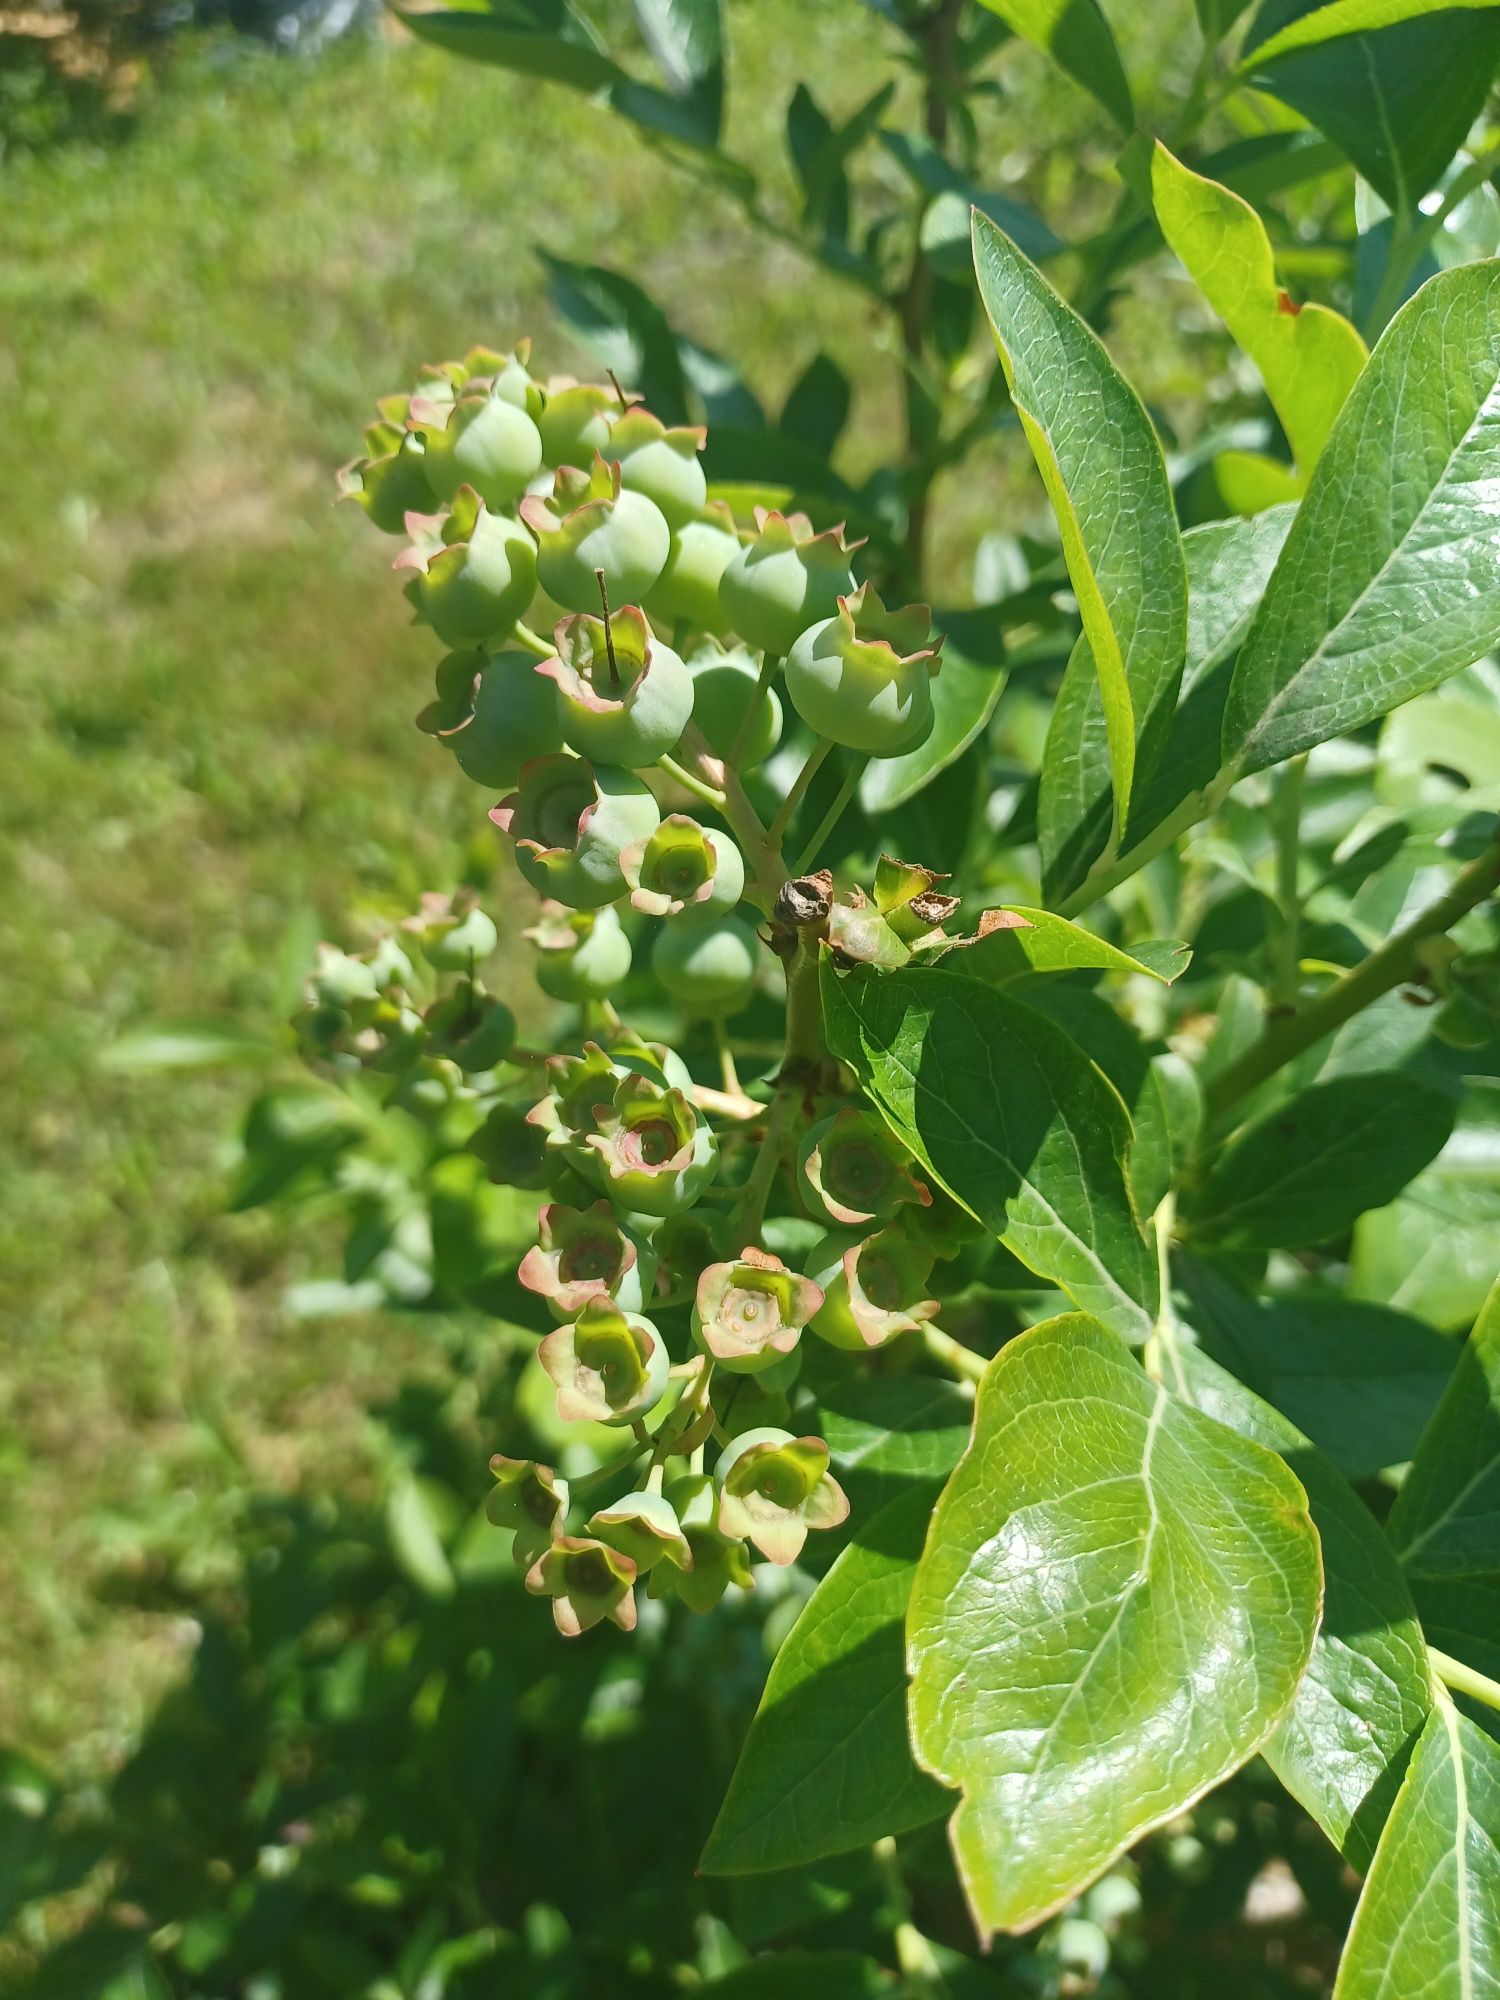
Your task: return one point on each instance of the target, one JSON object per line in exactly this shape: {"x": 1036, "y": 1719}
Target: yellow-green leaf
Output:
{"x": 1308, "y": 356}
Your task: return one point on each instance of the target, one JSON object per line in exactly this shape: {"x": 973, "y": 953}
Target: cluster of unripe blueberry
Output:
{"x": 680, "y": 1294}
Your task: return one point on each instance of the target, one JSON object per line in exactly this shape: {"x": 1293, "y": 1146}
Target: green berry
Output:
{"x": 622, "y": 696}
{"x": 570, "y": 821}
{"x": 773, "y": 1487}
{"x": 593, "y": 523}
{"x": 581, "y": 954}
{"x": 488, "y": 443}
{"x": 654, "y": 1154}
{"x": 708, "y": 964}
{"x": 662, "y": 463}
{"x": 477, "y": 581}
{"x": 391, "y": 481}
{"x": 684, "y": 867}
{"x": 785, "y": 580}
{"x": 472, "y": 1029}
{"x": 872, "y": 1288}
{"x": 700, "y": 552}
{"x": 582, "y": 1254}
{"x": 863, "y": 676}
{"x": 455, "y": 935}
{"x": 495, "y": 713}
{"x": 575, "y": 422}
{"x": 749, "y": 1314}
{"x": 723, "y": 689}
{"x": 587, "y": 1581}
{"x": 609, "y": 1366}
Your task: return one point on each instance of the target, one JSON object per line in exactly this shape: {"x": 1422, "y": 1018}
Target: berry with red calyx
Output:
{"x": 623, "y": 697}
{"x": 786, "y": 579}
{"x": 661, "y": 462}
{"x": 593, "y": 523}
{"x": 863, "y": 676}
{"x": 570, "y": 822}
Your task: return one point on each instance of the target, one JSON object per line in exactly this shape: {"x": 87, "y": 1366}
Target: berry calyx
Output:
{"x": 749, "y": 1314}
{"x": 872, "y": 1288}
{"x": 653, "y": 1151}
{"x": 609, "y": 1367}
{"x": 853, "y": 1170}
{"x": 622, "y": 696}
{"x": 587, "y": 1581}
{"x": 773, "y": 1488}
{"x": 529, "y": 1498}
{"x": 584, "y": 1254}
{"x": 594, "y": 523}
{"x": 683, "y": 867}
{"x": 570, "y": 822}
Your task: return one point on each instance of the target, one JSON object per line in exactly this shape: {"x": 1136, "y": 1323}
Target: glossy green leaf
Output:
{"x": 1398, "y": 103}
{"x": 1012, "y": 1118}
{"x": 1359, "y": 1380}
{"x": 888, "y": 1433}
{"x": 1432, "y": 1251}
{"x": 1390, "y": 578}
{"x": 1228, "y": 566}
{"x": 1446, "y": 1520}
{"x": 574, "y": 59}
{"x": 827, "y": 1765}
{"x": 1308, "y": 356}
{"x": 1307, "y": 1170}
{"x": 1116, "y": 1602}
{"x": 1428, "y": 1920}
{"x": 1343, "y": 1746}
{"x": 1018, "y": 941}
{"x": 964, "y": 695}
{"x": 1322, "y": 23}
{"x": 1102, "y": 465}
{"x": 1077, "y": 37}
{"x": 686, "y": 40}
{"x": 625, "y": 328}
{"x": 1249, "y": 482}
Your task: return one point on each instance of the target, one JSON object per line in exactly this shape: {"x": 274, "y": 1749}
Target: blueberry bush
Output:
{"x": 996, "y": 1207}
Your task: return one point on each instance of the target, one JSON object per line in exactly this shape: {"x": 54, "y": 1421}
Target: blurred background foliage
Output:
{"x": 278, "y": 1708}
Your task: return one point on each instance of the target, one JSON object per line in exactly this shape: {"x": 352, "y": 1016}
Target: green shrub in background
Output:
{"x": 1194, "y": 1128}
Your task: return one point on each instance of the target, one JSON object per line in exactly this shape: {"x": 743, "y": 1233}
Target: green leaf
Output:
{"x": 803, "y": 1975}
{"x": 1432, "y": 1252}
{"x": 1446, "y": 1520}
{"x": 686, "y": 40}
{"x": 1117, "y": 1600}
{"x": 1012, "y": 1118}
{"x": 1013, "y": 941}
{"x": 1228, "y": 566}
{"x": 479, "y": 37}
{"x": 168, "y": 1045}
{"x": 1398, "y": 103}
{"x": 1102, "y": 465}
{"x": 827, "y": 1765}
{"x": 625, "y": 328}
{"x": 1347, "y": 17}
{"x": 1249, "y": 482}
{"x": 1359, "y": 1380}
{"x": 888, "y": 1433}
{"x": 1390, "y": 578}
{"x": 1428, "y": 1920}
{"x": 1365, "y": 1695}
{"x": 1307, "y": 1170}
{"x": 945, "y": 221}
{"x": 964, "y": 695}
{"x": 1077, "y": 37}
{"x": 1308, "y": 356}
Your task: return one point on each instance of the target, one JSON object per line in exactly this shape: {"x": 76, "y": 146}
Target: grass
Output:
{"x": 206, "y": 692}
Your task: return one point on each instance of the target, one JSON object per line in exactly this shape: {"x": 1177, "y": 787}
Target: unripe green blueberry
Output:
{"x": 530, "y": 1499}
{"x": 654, "y": 1152}
{"x": 773, "y": 1487}
{"x": 688, "y": 588}
{"x": 863, "y": 676}
{"x": 706, "y": 963}
{"x": 609, "y": 1366}
{"x": 662, "y": 463}
{"x": 570, "y": 821}
{"x": 341, "y": 981}
{"x": 575, "y": 421}
{"x": 486, "y": 442}
{"x": 785, "y": 580}
{"x": 724, "y": 687}
{"x": 872, "y": 1288}
{"x": 391, "y": 481}
{"x": 682, "y": 868}
{"x": 718, "y": 1560}
{"x": 472, "y": 1029}
{"x": 587, "y": 1581}
{"x": 495, "y": 713}
{"x": 593, "y": 523}
{"x": 749, "y": 1313}
{"x": 454, "y": 934}
{"x": 513, "y": 1149}
{"x": 623, "y": 697}
{"x": 581, "y": 954}
{"x": 583, "y": 1254}
{"x": 644, "y": 1527}
{"x": 475, "y": 585}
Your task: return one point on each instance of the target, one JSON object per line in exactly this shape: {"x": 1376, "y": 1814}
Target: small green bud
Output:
{"x": 699, "y": 554}
{"x": 655, "y": 1154}
{"x": 570, "y": 822}
{"x": 609, "y": 1366}
{"x": 749, "y": 1314}
{"x": 592, "y": 523}
{"x": 622, "y": 696}
{"x": 854, "y": 1170}
{"x": 863, "y": 676}
{"x": 581, "y": 954}
{"x": 582, "y": 1255}
{"x": 682, "y": 868}
{"x": 872, "y": 1288}
{"x": 724, "y": 687}
{"x": 643, "y": 1526}
{"x": 587, "y": 1581}
{"x": 475, "y": 573}
{"x": 529, "y": 1498}
{"x": 786, "y": 579}
{"x": 773, "y": 1488}
{"x": 707, "y": 963}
